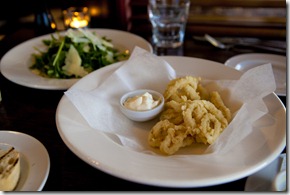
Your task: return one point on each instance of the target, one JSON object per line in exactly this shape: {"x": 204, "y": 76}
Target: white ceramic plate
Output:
{"x": 245, "y": 62}
{"x": 261, "y": 181}
{"x": 34, "y": 159}
{"x": 14, "y": 64}
{"x": 104, "y": 153}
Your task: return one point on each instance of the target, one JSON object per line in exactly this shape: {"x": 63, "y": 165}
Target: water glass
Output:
{"x": 168, "y": 19}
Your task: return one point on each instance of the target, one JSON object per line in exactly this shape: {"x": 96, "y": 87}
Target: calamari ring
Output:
{"x": 193, "y": 113}
{"x": 172, "y": 116}
{"x": 174, "y": 140}
{"x": 196, "y": 115}
{"x": 210, "y": 129}
{"x": 203, "y": 92}
{"x": 172, "y": 112}
{"x": 168, "y": 137}
{"x": 184, "y": 86}
{"x": 218, "y": 102}
{"x": 159, "y": 132}
{"x": 176, "y": 106}
{"x": 216, "y": 112}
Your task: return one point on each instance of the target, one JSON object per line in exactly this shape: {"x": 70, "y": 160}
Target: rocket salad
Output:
{"x": 75, "y": 54}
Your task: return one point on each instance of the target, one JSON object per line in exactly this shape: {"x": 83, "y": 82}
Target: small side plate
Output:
{"x": 34, "y": 159}
{"x": 245, "y": 62}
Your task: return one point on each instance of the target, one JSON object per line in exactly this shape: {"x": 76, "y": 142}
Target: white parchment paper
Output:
{"x": 143, "y": 70}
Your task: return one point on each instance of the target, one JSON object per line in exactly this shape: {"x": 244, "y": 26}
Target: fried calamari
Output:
{"x": 191, "y": 115}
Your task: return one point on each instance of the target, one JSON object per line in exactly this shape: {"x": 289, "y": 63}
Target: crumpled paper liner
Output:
{"x": 143, "y": 70}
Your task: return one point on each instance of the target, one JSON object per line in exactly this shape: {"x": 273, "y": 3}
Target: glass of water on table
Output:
{"x": 168, "y": 19}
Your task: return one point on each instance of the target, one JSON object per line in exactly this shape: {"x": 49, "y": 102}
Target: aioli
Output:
{"x": 141, "y": 102}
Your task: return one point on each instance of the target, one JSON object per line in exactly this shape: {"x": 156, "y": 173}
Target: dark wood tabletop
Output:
{"x": 32, "y": 111}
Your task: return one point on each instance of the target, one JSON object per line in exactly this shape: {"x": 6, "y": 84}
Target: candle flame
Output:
{"x": 76, "y": 18}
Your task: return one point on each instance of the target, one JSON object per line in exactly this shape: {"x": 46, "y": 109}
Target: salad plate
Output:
{"x": 34, "y": 159}
{"x": 104, "y": 152}
{"x": 15, "y": 64}
{"x": 245, "y": 62}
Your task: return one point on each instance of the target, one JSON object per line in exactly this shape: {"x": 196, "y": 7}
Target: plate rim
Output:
{"x": 258, "y": 174}
{"x": 28, "y": 184}
{"x": 52, "y": 83}
{"x": 156, "y": 182}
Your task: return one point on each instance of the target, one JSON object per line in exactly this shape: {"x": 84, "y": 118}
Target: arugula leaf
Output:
{"x": 95, "y": 52}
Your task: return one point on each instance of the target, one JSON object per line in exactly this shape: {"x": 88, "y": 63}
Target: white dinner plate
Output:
{"x": 15, "y": 63}
{"x": 105, "y": 153}
{"x": 34, "y": 160}
{"x": 262, "y": 180}
{"x": 245, "y": 62}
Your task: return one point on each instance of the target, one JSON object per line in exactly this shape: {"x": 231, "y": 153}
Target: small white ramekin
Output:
{"x": 142, "y": 115}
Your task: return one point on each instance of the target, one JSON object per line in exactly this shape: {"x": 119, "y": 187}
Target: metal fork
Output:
{"x": 221, "y": 45}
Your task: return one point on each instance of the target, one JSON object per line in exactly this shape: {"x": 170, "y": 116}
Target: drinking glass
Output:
{"x": 168, "y": 19}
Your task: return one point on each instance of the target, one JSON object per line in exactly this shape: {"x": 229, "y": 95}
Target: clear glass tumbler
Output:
{"x": 168, "y": 19}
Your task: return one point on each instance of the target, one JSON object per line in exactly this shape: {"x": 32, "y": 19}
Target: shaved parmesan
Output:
{"x": 73, "y": 63}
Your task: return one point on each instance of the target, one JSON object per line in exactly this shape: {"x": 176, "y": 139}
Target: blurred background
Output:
{"x": 244, "y": 18}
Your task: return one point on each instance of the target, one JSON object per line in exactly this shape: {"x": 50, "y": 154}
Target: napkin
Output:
{"x": 144, "y": 70}
{"x": 100, "y": 106}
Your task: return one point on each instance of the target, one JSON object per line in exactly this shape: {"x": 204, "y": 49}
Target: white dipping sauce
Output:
{"x": 141, "y": 102}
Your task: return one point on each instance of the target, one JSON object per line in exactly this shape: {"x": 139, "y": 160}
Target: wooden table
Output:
{"x": 32, "y": 111}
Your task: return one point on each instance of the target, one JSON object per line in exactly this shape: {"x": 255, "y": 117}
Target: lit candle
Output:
{"x": 77, "y": 21}
{"x": 76, "y": 17}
